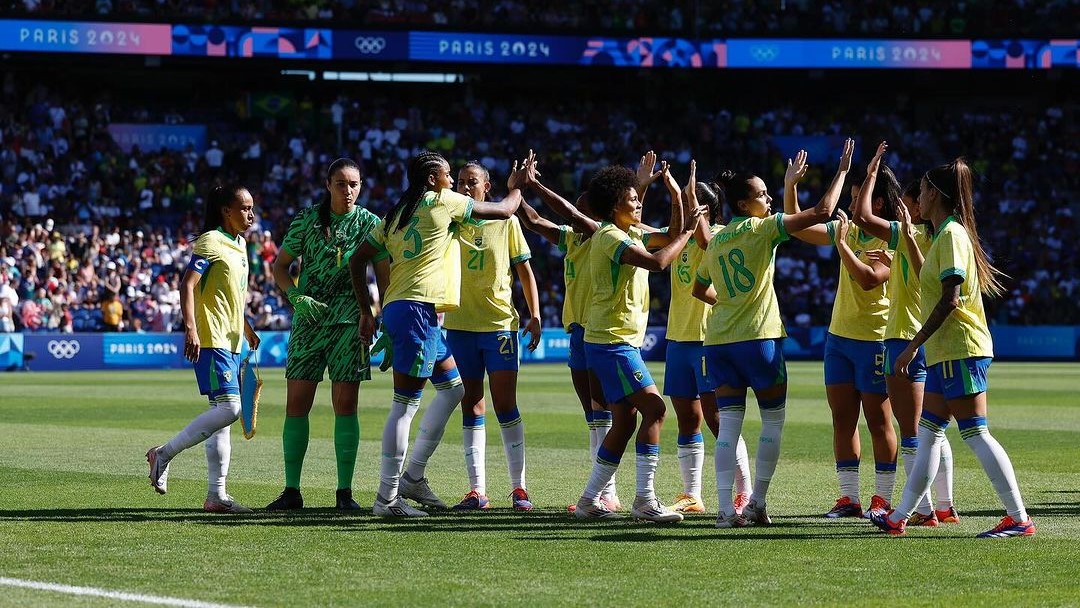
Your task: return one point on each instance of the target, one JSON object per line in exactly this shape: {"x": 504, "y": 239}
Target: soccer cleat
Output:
{"x": 611, "y": 502}
{"x": 159, "y": 473}
{"x": 520, "y": 498}
{"x": 685, "y": 503}
{"x": 731, "y": 521}
{"x": 289, "y": 500}
{"x": 741, "y": 499}
{"x": 877, "y": 505}
{"x": 845, "y": 508}
{"x": 1009, "y": 527}
{"x": 473, "y": 501}
{"x": 756, "y": 514}
{"x": 926, "y": 521}
{"x": 344, "y": 500}
{"x": 591, "y": 509}
{"x": 650, "y": 509}
{"x": 420, "y": 491}
{"x": 396, "y": 508}
{"x": 948, "y": 516}
{"x": 886, "y": 525}
{"x": 213, "y": 504}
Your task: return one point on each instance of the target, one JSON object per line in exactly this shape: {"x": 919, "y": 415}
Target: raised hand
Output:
{"x": 841, "y": 226}
{"x": 669, "y": 179}
{"x": 875, "y": 162}
{"x": 519, "y": 174}
{"x": 645, "y": 174}
{"x": 796, "y": 168}
{"x": 905, "y": 219}
{"x": 881, "y": 256}
{"x": 845, "y": 157}
{"x": 690, "y": 191}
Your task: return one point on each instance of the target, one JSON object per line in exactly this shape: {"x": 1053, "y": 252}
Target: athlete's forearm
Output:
{"x": 358, "y": 274}
{"x": 950, "y": 299}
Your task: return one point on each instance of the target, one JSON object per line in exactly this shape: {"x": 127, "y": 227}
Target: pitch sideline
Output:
{"x": 113, "y": 595}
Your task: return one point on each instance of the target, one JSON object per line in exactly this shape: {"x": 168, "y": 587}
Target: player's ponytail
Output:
{"x": 887, "y": 188}
{"x": 221, "y": 196}
{"x": 955, "y": 183}
{"x": 421, "y": 167}
{"x": 733, "y": 186}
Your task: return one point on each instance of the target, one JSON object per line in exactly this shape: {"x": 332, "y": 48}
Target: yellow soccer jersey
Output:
{"x": 686, "y": 314}
{"x": 859, "y": 314}
{"x": 488, "y": 251}
{"x": 619, "y": 307}
{"x": 418, "y": 252}
{"x": 576, "y": 298}
{"x": 221, "y": 293}
{"x": 964, "y": 333}
{"x": 740, "y": 263}
{"x": 905, "y": 317}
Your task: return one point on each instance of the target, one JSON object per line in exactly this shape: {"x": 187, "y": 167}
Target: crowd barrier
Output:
{"x": 110, "y": 351}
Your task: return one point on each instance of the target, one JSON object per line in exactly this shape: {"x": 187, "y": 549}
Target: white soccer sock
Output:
{"x": 742, "y": 468}
{"x": 601, "y": 424}
{"x": 691, "y": 454}
{"x": 395, "y": 441}
{"x": 224, "y": 410}
{"x": 885, "y": 480}
{"x": 648, "y": 457}
{"x": 603, "y": 471}
{"x": 931, "y": 433}
{"x": 448, "y": 397}
{"x": 731, "y": 420}
{"x": 768, "y": 452}
{"x": 218, "y": 456}
{"x": 847, "y": 473}
{"x": 592, "y": 435}
{"x": 943, "y": 482}
{"x": 909, "y": 447}
{"x": 474, "y": 438}
{"x": 513, "y": 436}
{"x": 995, "y": 461}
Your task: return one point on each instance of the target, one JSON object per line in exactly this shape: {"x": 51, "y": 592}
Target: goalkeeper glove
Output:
{"x": 385, "y": 346}
{"x": 306, "y": 307}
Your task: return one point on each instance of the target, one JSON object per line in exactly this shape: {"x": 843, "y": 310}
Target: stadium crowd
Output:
{"x": 682, "y": 17}
{"x": 93, "y": 238}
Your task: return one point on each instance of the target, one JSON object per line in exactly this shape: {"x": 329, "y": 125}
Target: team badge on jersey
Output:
{"x": 638, "y": 375}
{"x": 478, "y": 241}
{"x": 227, "y": 374}
{"x": 685, "y": 257}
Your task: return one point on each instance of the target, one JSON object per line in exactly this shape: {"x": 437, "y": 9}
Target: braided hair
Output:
{"x": 421, "y": 167}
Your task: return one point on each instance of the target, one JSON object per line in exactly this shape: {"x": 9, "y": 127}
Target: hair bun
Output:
{"x": 726, "y": 176}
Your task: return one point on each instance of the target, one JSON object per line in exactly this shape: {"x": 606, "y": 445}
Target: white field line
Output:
{"x": 112, "y": 595}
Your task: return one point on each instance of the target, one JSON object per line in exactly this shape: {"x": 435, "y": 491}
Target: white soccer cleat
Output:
{"x": 396, "y": 508}
{"x": 592, "y": 509}
{"x": 421, "y": 492}
{"x": 159, "y": 471}
{"x": 650, "y": 509}
{"x": 756, "y": 514}
{"x": 214, "y": 504}
{"x": 731, "y": 521}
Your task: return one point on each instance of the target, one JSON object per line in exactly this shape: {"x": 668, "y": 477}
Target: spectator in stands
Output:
{"x": 112, "y": 312}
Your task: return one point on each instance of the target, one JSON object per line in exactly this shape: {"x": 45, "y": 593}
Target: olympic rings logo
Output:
{"x": 764, "y": 53}
{"x": 370, "y": 45}
{"x": 64, "y": 349}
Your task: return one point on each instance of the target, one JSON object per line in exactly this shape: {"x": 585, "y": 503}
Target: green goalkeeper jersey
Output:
{"x": 324, "y": 266}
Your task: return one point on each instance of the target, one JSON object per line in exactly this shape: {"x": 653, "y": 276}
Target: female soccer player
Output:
{"x": 324, "y": 333}
{"x": 574, "y": 241}
{"x": 615, "y": 329}
{"x": 743, "y": 346}
{"x": 416, "y": 235}
{"x": 959, "y": 349}
{"x": 482, "y": 336}
{"x": 905, "y": 392}
{"x": 213, "y": 296}
{"x": 684, "y": 379}
{"x": 855, "y": 352}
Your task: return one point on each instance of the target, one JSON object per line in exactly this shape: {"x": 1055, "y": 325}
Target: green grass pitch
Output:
{"x": 76, "y": 508}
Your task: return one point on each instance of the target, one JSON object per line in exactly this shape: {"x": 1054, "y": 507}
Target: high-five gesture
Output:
{"x": 518, "y": 178}
{"x": 872, "y": 167}
{"x": 845, "y": 156}
{"x": 796, "y": 168}
{"x": 645, "y": 174}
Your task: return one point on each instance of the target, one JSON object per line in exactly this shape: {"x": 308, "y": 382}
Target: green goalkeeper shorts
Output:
{"x": 337, "y": 347}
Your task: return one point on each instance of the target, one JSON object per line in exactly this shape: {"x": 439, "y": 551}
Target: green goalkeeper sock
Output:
{"x": 346, "y": 441}
{"x": 294, "y": 442}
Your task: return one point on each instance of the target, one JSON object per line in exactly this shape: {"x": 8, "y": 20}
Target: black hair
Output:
{"x": 220, "y": 198}
{"x": 887, "y": 188}
{"x": 476, "y": 164}
{"x": 911, "y": 190}
{"x": 420, "y": 168}
{"x": 708, "y": 194}
{"x": 732, "y": 187}
{"x": 324, "y": 207}
{"x": 607, "y": 187}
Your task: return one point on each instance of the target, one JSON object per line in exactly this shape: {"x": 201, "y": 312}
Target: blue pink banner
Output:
{"x": 324, "y": 44}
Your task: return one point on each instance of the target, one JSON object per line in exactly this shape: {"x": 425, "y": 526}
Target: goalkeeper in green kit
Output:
{"x": 325, "y": 328}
